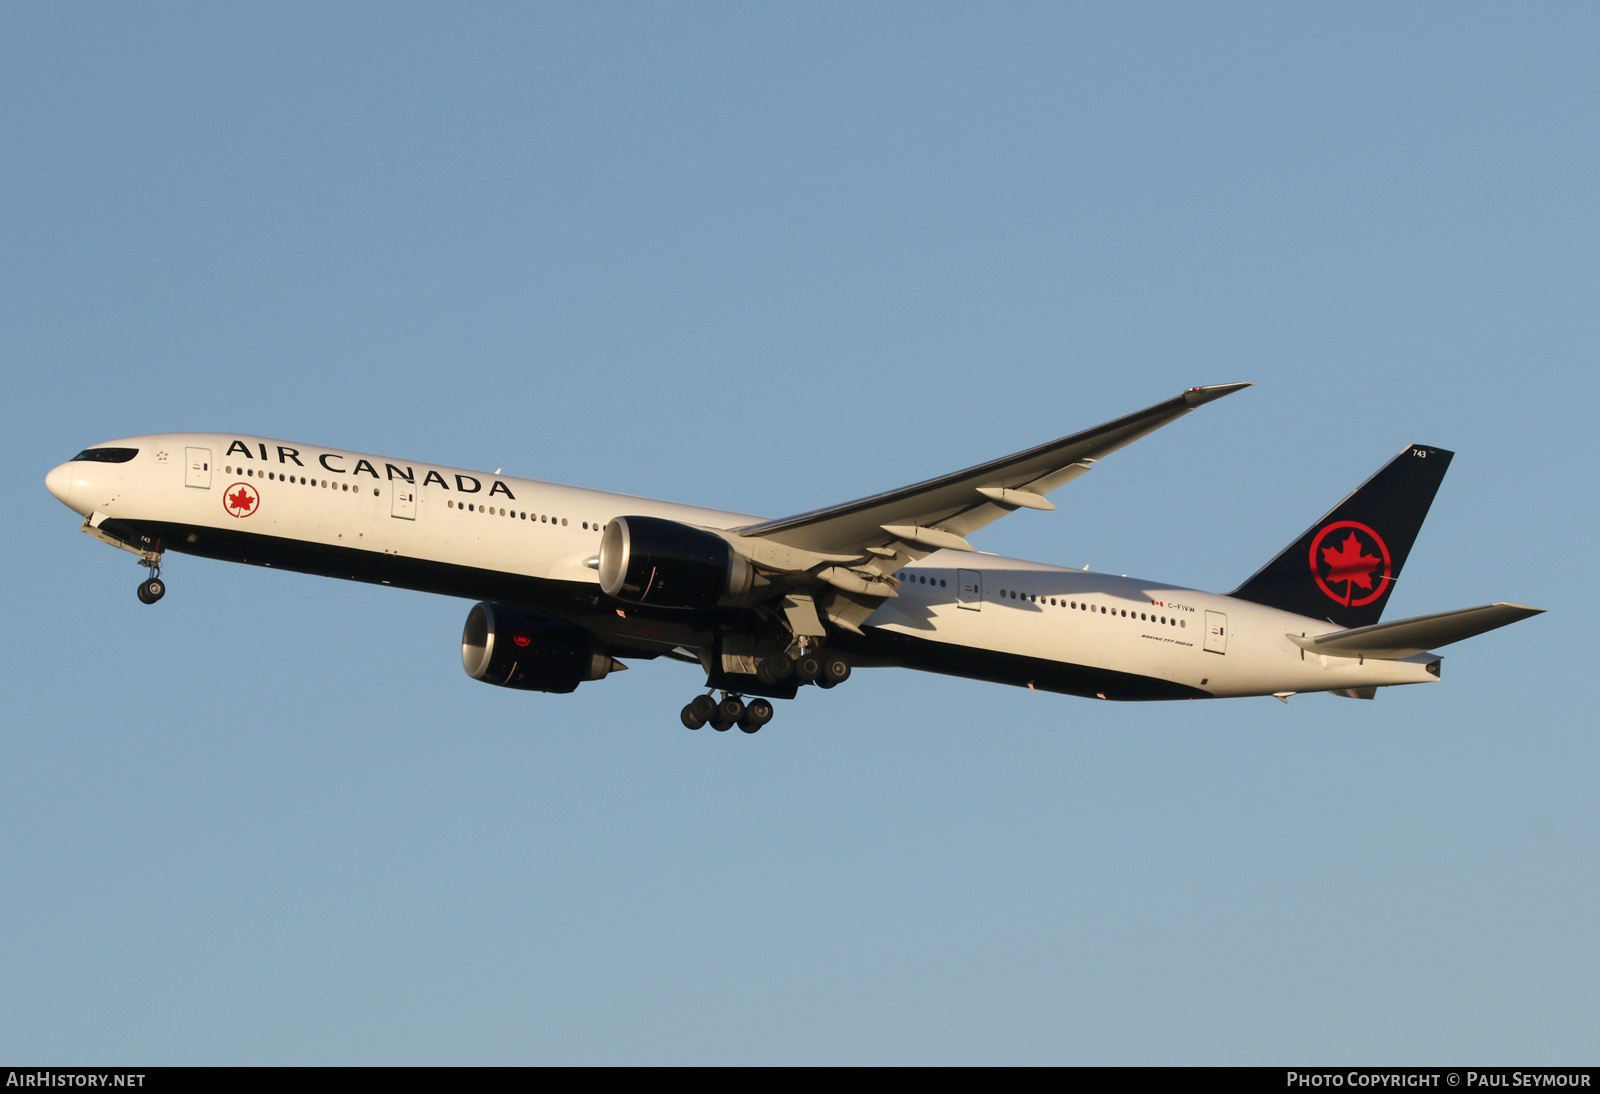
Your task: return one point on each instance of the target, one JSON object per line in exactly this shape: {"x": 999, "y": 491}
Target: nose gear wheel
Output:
{"x": 152, "y": 588}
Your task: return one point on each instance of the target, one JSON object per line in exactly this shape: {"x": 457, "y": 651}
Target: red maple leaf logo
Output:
{"x": 1350, "y": 562}
{"x": 241, "y": 501}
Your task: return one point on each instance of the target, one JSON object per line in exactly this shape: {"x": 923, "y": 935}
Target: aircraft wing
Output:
{"x": 853, "y": 550}
{"x": 939, "y": 513}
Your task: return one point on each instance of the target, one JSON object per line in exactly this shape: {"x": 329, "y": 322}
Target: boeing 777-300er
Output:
{"x": 571, "y": 581}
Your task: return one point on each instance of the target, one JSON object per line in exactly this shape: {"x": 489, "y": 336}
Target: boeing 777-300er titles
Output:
{"x": 570, "y": 581}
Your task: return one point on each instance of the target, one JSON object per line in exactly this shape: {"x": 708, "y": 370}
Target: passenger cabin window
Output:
{"x": 106, "y": 455}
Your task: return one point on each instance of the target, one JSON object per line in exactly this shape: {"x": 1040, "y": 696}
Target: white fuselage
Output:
{"x": 495, "y": 537}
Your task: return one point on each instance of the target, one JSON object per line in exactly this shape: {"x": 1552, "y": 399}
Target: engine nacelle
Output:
{"x": 530, "y": 651}
{"x": 664, "y": 564}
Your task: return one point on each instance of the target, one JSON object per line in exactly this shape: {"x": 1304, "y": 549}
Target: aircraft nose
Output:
{"x": 59, "y": 483}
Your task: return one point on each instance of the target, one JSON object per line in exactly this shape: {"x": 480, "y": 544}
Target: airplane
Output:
{"x": 570, "y": 582}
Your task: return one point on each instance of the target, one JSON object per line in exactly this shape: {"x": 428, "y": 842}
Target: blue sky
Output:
{"x": 768, "y": 259}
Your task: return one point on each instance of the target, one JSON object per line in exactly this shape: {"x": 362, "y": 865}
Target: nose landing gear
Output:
{"x": 152, "y": 588}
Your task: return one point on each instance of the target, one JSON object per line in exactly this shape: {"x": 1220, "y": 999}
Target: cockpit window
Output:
{"x": 106, "y": 455}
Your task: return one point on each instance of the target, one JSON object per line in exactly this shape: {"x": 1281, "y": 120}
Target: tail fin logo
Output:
{"x": 1354, "y": 568}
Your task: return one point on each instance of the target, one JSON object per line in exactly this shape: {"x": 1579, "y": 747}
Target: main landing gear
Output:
{"x": 818, "y": 667}
{"x": 821, "y": 668}
{"x": 152, "y": 588}
{"x": 732, "y": 711}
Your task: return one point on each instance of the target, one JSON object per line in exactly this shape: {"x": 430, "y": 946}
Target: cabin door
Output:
{"x": 969, "y": 590}
{"x": 197, "y": 468}
{"x": 1216, "y": 632}
{"x": 404, "y": 505}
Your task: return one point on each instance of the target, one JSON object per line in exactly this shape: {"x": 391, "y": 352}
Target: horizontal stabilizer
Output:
{"x": 1405, "y": 637}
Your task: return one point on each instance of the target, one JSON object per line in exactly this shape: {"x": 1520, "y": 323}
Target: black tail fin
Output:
{"x": 1345, "y": 565}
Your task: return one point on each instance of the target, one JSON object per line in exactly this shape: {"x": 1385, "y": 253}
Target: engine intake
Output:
{"x": 530, "y": 651}
{"x": 664, "y": 564}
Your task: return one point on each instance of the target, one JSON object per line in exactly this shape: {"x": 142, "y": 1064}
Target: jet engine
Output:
{"x": 517, "y": 648}
{"x": 664, "y": 564}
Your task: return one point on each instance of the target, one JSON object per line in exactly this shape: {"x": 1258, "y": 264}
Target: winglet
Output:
{"x": 1198, "y": 396}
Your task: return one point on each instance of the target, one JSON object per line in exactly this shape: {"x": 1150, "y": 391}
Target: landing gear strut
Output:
{"x": 152, "y": 588}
